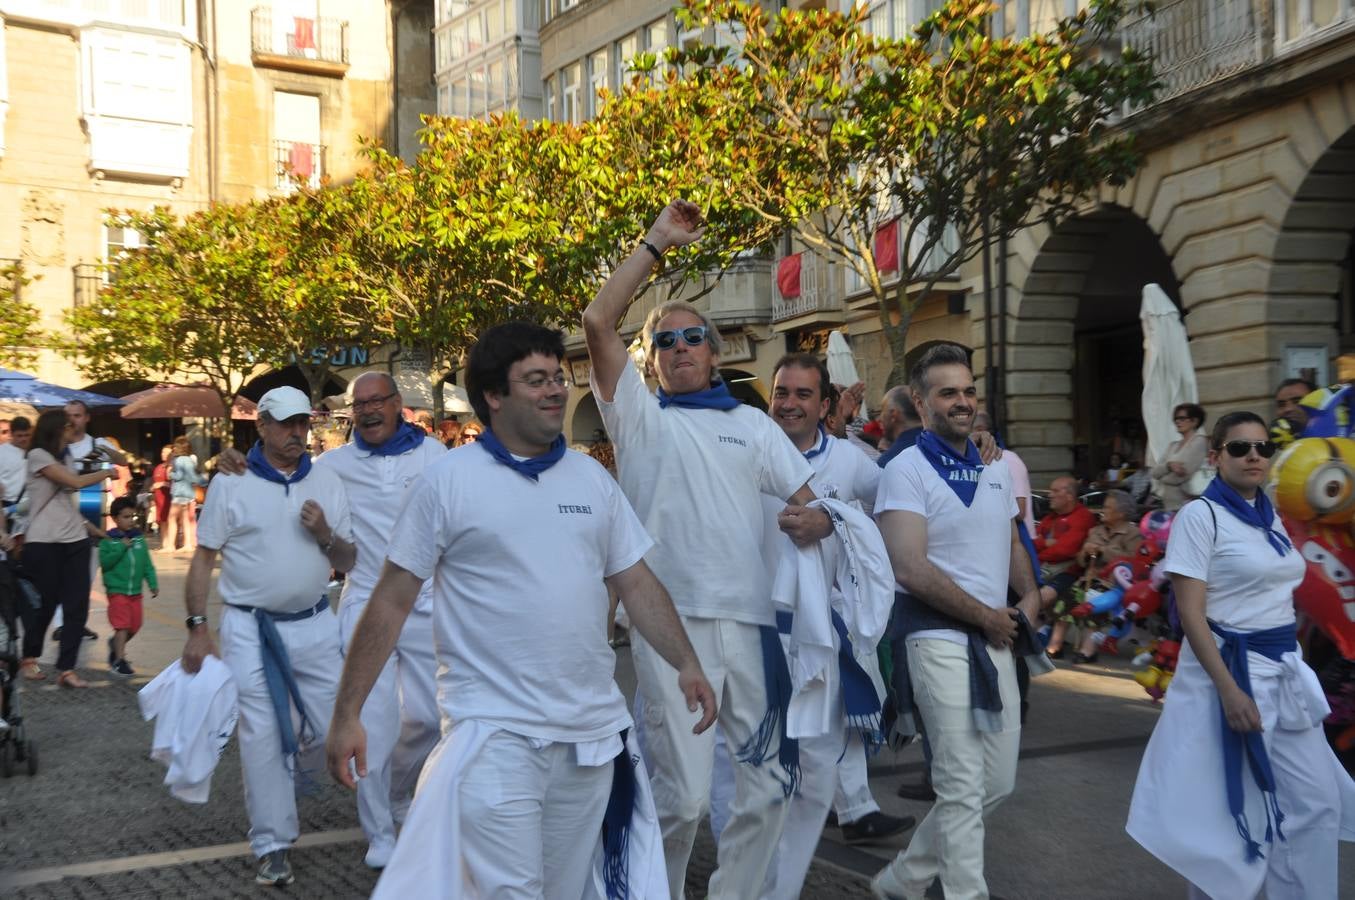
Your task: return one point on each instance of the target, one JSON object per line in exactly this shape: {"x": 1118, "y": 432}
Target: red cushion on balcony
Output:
{"x": 788, "y": 276}
{"x": 887, "y": 246}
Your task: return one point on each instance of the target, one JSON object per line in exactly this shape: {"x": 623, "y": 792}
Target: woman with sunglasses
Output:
{"x": 1238, "y": 789}
{"x": 1183, "y": 458}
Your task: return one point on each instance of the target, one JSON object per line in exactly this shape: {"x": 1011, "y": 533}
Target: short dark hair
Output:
{"x": 940, "y": 355}
{"x": 834, "y": 395}
{"x": 47, "y": 433}
{"x": 1229, "y": 421}
{"x": 80, "y": 403}
{"x": 806, "y": 361}
{"x": 1193, "y": 410}
{"x": 20, "y": 423}
{"x": 1308, "y": 386}
{"x": 496, "y": 351}
{"x": 120, "y": 504}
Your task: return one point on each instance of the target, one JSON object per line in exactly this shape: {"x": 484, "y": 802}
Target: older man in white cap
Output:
{"x": 280, "y": 529}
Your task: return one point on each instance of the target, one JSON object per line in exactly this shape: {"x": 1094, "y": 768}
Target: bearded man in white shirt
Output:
{"x": 524, "y": 538}
{"x": 695, "y": 464}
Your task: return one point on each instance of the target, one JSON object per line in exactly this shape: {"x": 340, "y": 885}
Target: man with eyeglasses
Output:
{"x": 695, "y": 463}
{"x": 525, "y": 537}
{"x": 386, "y": 457}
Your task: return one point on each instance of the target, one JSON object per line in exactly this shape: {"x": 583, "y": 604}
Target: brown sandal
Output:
{"x": 30, "y": 670}
{"x": 68, "y": 679}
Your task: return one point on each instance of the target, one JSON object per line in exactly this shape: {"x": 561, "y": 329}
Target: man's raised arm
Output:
{"x": 678, "y": 224}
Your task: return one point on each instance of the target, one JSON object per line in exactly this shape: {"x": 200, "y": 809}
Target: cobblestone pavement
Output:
{"x": 96, "y": 821}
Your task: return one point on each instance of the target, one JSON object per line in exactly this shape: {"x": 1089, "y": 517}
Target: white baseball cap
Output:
{"x": 282, "y": 403}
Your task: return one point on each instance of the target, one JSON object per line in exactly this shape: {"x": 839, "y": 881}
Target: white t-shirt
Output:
{"x": 376, "y": 487}
{"x": 696, "y": 477}
{"x": 78, "y": 450}
{"x": 971, "y": 545}
{"x": 13, "y": 472}
{"x": 1021, "y": 488}
{"x": 1249, "y": 587}
{"x": 268, "y": 558}
{"x": 519, "y": 604}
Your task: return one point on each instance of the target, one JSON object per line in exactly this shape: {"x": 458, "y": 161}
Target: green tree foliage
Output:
{"x": 20, "y": 334}
{"x": 943, "y": 131}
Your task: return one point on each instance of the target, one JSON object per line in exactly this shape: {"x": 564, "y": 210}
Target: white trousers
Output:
{"x": 403, "y": 725}
{"x": 681, "y": 763}
{"x": 853, "y": 798}
{"x": 270, "y": 790}
{"x": 530, "y": 816}
{"x": 972, "y": 771}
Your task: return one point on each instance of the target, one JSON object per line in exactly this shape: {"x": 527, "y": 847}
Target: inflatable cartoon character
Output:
{"x": 1158, "y": 673}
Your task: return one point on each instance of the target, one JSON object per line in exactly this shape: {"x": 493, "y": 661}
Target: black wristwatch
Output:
{"x": 194, "y": 621}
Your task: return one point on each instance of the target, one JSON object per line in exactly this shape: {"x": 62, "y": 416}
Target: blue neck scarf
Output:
{"x": 1272, "y": 643}
{"x": 823, "y": 443}
{"x": 527, "y": 468}
{"x": 260, "y": 466}
{"x": 717, "y": 396}
{"x": 118, "y": 534}
{"x": 1261, "y": 516}
{"x": 407, "y": 436}
{"x": 960, "y": 473}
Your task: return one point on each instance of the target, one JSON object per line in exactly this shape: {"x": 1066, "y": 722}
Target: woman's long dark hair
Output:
{"x": 47, "y": 433}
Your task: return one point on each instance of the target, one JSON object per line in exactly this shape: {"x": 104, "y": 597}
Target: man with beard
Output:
{"x": 280, "y": 528}
{"x": 401, "y": 715}
{"x": 949, "y": 522}
{"x": 525, "y": 538}
{"x": 695, "y": 464}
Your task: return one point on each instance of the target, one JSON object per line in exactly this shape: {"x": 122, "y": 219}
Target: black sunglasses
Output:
{"x": 1240, "y": 449}
{"x": 692, "y": 336}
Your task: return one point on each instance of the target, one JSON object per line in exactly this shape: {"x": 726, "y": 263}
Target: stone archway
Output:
{"x": 1074, "y": 346}
{"x": 1311, "y": 273}
{"x": 585, "y": 423}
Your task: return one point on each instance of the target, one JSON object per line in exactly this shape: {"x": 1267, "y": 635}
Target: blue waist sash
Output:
{"x": 1272, "y": 643}
{"x": 776, "y": 674}
{"x": 616, "y": 825}
{"x": 278, "y": 675}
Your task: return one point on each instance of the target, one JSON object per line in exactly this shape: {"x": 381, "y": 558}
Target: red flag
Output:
{"x": 788, "y": 276}
{"x": 887, "y": 246}
{"x": 303, "y": 33}
{"x": 302, "y": 160}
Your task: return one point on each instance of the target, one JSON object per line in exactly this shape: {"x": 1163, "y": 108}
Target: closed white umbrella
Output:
{"x": 1168, "y": 372}
{"x": 841, "y": 363}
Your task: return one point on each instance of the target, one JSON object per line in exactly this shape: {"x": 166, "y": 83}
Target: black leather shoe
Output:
{"x": 921, "y": 790}
{"x": 874, "y": 827}
{"x": 1082, "y": 659}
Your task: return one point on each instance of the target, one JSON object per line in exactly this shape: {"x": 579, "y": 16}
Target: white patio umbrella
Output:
{"x": 841, "y": 362}
{"x": 1168, "y": 372}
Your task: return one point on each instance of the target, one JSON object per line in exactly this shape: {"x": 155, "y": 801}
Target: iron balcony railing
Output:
{"x": 325, "y": 40}
{"x": 298, "y": 163}
{"x": 818, "y": 290}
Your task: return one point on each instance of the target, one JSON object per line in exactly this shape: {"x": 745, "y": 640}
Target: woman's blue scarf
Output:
{"x": 527, "y": 468}
{"x": 960, "y": 473}
{"x": 1261, "y": 515}
{"x": 717, "y": 396}
{"x": 260, "y": 466}
{"x": 406, "y": 437}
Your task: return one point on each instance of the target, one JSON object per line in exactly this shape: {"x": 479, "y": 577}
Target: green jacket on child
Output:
{"x": 126, "y": 567}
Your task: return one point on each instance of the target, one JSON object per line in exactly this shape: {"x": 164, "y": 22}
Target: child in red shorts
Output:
{"x": 126, "y": 564}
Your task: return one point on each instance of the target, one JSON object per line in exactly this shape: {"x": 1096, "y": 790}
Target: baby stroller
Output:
{"x": 15, "y": 745}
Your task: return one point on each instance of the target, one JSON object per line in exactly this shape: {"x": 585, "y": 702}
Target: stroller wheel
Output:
{"x": 31, "y": 756}
{"x": 6, "y": 758}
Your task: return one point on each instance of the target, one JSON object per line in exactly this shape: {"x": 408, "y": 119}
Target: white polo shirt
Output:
{"x": 971, "y": 545}
{"x": 268, "y": 558}
{"x": 519, "y": 604}
{"x": 1249, "y": 587}
{"x": 696, "y": 478}
{"x": 376, "y": 487}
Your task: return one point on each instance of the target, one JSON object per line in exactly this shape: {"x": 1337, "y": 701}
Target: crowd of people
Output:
{"x": 762, "y": 561}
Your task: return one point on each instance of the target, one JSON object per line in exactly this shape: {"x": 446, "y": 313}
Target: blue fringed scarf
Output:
{"x": 961, "y": 473}
{"x": 527, "y": 468}
{"x": 407, "y": 436}
{"x": 717, "y": 396}
{"x": 861, "y": 702}
{"x": 1272, "y": 643}
{"x": 260, "y": 466}
{"x": 776, "y": 673}
{"x": 616, "y": 825}
{"x": 1261, "y": 515}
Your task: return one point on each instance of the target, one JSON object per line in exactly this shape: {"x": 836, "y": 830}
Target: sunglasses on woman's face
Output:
{"x": 1240, "y": 449}
{"x": 692, "y": 336}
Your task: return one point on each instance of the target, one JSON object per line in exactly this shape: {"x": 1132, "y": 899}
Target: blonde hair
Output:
{"x": 656, "y": 315}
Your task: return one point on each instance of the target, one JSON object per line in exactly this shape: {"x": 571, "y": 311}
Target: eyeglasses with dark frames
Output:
{"x": 358, "y": 406}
